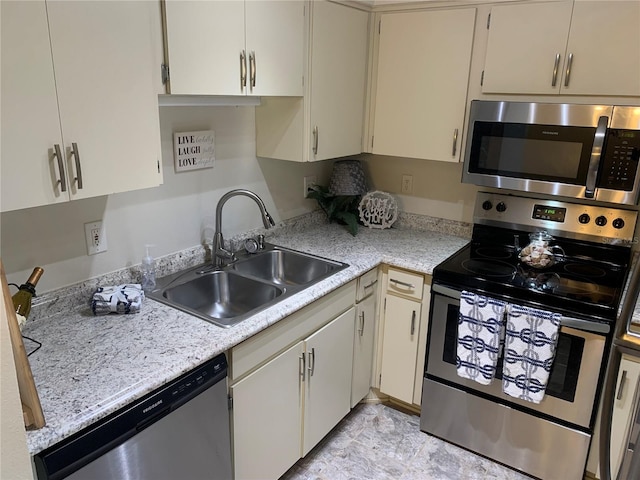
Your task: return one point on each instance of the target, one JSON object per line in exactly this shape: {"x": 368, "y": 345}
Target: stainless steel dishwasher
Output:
{"x": 178, "y": 431}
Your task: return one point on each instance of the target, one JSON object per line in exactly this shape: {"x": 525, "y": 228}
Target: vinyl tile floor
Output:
{"x": 378, "y": 442}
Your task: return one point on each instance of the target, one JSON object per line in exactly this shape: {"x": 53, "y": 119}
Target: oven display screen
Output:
{"x": 544, "y": 212}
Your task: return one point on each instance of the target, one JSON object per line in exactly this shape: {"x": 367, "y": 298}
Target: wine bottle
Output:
{"x": 22, "y": 299}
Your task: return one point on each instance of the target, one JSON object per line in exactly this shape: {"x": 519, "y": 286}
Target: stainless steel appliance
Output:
{"x": 178, "y": 431}
{"x": 626, "y": 341}
{"x": 578, "y": 151}
{"x": 549, "y": 439}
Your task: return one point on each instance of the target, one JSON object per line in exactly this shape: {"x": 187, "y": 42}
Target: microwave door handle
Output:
{"x": 596, "y": 152}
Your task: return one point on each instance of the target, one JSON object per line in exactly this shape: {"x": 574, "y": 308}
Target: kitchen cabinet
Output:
{"x": 423, "y": 64}
{"x": 404, "y": 333}
{"x": 566, "y": 48}
{"x": 235, "y": 48}
{"x": 364, "y": 334}
{"x": 327, "y": 122}
{"x": 79, "y": 106}
{"x": 291, "y": 384}
{"x": 627, "y": 391}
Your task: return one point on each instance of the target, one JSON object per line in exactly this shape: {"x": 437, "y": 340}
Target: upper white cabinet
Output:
{"x": 581, "y": 48}
{"x": 327, "y": 122}
{"x": 421, "y": 83}
{"x": 79, "y": 105}
{"x": 235, "y": 47}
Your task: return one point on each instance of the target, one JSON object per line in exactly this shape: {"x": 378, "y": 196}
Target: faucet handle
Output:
{"x": 261, "y": 242}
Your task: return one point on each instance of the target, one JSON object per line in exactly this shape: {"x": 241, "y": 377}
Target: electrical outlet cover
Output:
{"x": 96, "y": 237}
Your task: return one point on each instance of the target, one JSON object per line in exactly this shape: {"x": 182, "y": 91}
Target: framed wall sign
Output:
{"x": 193, "y": 150}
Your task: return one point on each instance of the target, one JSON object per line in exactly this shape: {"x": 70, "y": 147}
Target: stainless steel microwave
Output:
{"x": 577, "y": 151}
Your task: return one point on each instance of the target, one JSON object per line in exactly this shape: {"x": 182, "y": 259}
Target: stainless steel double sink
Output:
{"x": 254, "y": 282}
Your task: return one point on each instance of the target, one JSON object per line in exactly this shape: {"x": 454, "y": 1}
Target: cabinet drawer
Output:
{"x": 367, "y": 284}
{"x": 405, "y": 283}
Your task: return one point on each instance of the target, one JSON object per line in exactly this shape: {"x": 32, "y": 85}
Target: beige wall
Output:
{"x": 177, "y": 215}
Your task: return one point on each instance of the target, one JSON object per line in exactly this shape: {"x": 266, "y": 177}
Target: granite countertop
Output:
{"x": 89, "y": 367}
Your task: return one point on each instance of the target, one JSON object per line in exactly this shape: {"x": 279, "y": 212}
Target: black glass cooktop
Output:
{"x": 587, "y": 280}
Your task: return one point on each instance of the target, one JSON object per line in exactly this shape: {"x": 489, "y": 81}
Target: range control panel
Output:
{"x": 573, "y": 220}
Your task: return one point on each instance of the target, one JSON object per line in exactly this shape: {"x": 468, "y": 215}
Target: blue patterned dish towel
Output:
{"x": 529, "y": 349}
{"x": 126, "y": 298}
{"x": 480, "y": 327}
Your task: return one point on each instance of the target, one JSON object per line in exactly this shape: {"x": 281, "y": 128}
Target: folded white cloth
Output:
{"x": 480, "y": 327}
{"x": 126, "y": 298}
{"x": 529, "y": 350}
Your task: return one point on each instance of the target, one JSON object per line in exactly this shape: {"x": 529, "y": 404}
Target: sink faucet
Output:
{"x": 220, "y": 254}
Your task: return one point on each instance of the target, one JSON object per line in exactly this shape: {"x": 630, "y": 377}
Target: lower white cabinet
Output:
{"x": 404, "y": 323}
{"x": 364, "y": 336}
{"x": 291, "y": 384}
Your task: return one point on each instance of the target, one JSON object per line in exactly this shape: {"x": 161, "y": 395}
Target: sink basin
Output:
{"x": 223, "y": 297}
{"x": 253, "y": 283}
{"x": 286, "y": 267}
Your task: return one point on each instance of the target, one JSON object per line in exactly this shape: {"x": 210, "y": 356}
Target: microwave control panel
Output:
{"x": 621, "y": 156}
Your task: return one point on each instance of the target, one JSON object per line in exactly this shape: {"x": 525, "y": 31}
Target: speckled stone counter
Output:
{"x": 89, "y": 367}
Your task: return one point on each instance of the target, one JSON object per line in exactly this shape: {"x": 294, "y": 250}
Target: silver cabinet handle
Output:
{"x": 567, "y": 74}
{"x": 252, "y": 70}
{"x": 455, "y": 142}
{"x": 594, "y": 161}
{"x": 623, "y": 381}
{"x": 301, "y": 365}
{"x": 554, "y": 78}
{"x": 371, "y": 284}
{"x": 58, "y": 154}
{"x": 413, "y": 322}
{"x": 402, "y": 284}
{"x": 361, "y": 329}
{"x": 243, "y": 70}
{"x": 312, "y": 362}
{"x": 76, "y": 155}
{"x": 316, "y": 134}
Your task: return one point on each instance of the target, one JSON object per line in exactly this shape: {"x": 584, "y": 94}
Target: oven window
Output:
{"x": 563, "y": 379}
{"x": 537, "y": 152}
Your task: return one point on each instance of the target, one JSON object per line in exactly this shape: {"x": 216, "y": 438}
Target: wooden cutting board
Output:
{"x": 31, "y": 408}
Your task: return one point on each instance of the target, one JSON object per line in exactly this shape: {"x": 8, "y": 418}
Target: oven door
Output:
{"x": 574, "y": 378}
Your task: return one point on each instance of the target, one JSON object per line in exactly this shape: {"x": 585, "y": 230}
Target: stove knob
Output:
{"x": 618, "y": 223}
{"x": 501, "y": 207}
{"x": 601, "y": 221}
{"x": 584, "y": 218}
{"x": 487, "y": 205}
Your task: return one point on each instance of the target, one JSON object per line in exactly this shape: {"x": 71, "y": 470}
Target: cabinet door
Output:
{"x": 204, "y": 41}
{"x": 626, "y": 394}
{"x": 338, "y": 71}
{"x": 363, "y": 349}
{"x": 103, "y": 58}
{"x": 422, "y": 79}
{"x": 524, "y": 43}
{"x": 30, "y": 124}
{"x": 604, "y": 40}
{"x": 399, "y": 347}
{"x": 328, "y": 382}
{"x": 275, "y": 36}
{"x": 267, "y": 418}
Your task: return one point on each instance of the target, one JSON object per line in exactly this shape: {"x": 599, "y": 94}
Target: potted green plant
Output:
{"x": 342, "y": 209}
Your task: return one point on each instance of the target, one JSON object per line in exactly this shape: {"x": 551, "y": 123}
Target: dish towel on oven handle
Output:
{"x": 480, "y": 328}
{"x": 529, "y": 349}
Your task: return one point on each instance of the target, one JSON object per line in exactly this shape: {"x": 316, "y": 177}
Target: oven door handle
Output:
{"x": 577, "y": 323}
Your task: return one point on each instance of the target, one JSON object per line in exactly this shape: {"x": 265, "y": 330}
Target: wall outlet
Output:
{"x": 407, "y": 184}
{"x": 309, "y": 181}
{"x": 96, "y": 237}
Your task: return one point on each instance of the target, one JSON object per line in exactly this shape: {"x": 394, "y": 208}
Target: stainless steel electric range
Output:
{"x": 580, "y": 275}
